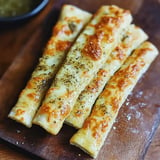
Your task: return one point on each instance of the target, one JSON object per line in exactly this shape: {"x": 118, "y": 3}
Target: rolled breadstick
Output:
{"x": 92, "y": 135}
{"x": 85, "y": 58}
{"x": 82, "y": 108}
{"x": 69, "y": 25}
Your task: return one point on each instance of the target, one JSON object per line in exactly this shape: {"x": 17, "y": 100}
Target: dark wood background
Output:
{"x": 15, "y": 38}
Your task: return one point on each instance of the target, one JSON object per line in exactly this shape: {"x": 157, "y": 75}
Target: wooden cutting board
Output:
{"x": 137, "y": 119}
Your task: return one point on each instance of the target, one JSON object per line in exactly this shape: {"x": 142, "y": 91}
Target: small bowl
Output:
{"x": 37, "y": 7}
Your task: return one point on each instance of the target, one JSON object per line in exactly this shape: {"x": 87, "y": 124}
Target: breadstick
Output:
{"x": 92, "y": 135}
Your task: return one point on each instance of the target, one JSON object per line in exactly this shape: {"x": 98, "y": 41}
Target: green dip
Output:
{"x": 11, "y": 8}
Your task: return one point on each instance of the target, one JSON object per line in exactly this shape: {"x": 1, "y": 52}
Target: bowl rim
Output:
{"x": 29, "y": 14}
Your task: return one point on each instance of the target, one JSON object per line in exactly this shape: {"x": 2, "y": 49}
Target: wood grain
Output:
{"x": 128, "y": 138}
{"x": 153, "y": 151}
{"x": 7, "y": 152}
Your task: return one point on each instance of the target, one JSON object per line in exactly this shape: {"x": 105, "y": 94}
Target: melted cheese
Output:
{"x": 132, "y": 38}
{"x": 85, "y": 58}
{"x": 69, "y": 25}
{"x": 92, "y": 135}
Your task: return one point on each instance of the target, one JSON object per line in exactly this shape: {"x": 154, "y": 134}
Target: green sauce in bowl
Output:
{"x": 10, "y": 8}
{"x": 19, "y": 10}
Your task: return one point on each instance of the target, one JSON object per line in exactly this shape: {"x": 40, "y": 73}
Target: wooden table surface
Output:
{"x": 12, "y": 40}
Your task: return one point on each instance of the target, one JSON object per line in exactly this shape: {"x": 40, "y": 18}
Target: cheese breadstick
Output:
{"x": 69, "y": 25}
{"x": 92, "y": 135}
{"x": 82, "y": 108}
{"x": 85, "y": 58}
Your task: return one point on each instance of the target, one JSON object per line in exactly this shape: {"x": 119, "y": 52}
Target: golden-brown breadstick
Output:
{"x": 92, "y": 135}
{"x": 85, "y": 58}
{"x": 69, "y": 25}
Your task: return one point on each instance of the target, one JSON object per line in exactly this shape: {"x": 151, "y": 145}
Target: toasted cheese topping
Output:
{"x": 69, "y": 25}
{"x": 93, "y": 48}
{"x": 82, "y": 108}
{"x": 81, "y": 65}
{"x": 91, "y": 136}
